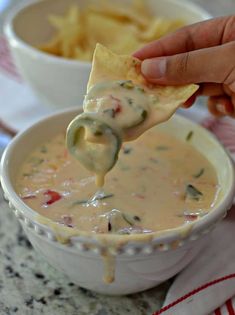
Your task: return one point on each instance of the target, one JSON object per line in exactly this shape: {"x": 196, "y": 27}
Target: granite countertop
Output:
{"x": 29, "y": 286}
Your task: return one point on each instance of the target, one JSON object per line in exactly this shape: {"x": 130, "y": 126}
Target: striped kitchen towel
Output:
{"x": 19, "y": 108}
{"x": 228, "y": 307}
{"x": 209, "y": 281}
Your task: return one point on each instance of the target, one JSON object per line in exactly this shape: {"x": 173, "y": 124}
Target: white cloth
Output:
{"x": 19, "y": 108}
{"x": 195, "y": 288}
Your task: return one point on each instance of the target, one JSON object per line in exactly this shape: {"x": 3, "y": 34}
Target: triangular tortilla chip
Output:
{"x": 135, "y": 12}
{"x": 158, "y": 27}
{"x": 111, "y": 33}
{"x": 69, "y": 34}
{"x": 107, "y": 66}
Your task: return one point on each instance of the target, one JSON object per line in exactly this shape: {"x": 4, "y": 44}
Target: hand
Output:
{"x": 201, "y": 53}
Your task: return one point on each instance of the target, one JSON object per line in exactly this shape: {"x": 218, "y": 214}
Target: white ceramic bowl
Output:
{"x": 58, "y": 81}
{"x": 140, "y": 264}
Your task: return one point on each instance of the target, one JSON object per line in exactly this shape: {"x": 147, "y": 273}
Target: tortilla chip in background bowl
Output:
{"x": 57, "y": 81}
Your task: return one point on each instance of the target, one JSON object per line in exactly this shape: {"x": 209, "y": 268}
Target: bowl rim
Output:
{"x": 11, "y": 35}
{"x": 192, "y": 231}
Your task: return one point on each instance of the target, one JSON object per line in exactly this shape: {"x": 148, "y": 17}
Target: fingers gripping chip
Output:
{"x": 165, "y": 100}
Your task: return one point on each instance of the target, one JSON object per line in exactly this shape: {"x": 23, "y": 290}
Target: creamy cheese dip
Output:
{"x": 126, "y": 104}
{"x": 114, "y": 111}
{"x": 158, "y": 183}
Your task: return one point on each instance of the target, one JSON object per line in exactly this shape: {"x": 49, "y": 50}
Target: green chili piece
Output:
{"x": 131, "y": 219}
{"x": 200, "y": 173}
{"x": 109, "y": 226}
{"x": 27, "y": 174}
{"x": 140, "y": 89}
{"x": 127, "y": 150}
{"x": 103, "y": 197}
{"x": 79, "y": 202}
{"x": 35, "y": 161}
{"x": 162, "y": 148}
{"x": 43, "y": 149}
{"x": 84, "y": 201}
{"x": 193, "y": 193}
{"x": 127, "y": 84}
{"x": 144, "y": 114}
{"x": 110, "y": 112}
{"x": 129, "y": 100}
{"x": 98, "y": 133}
{"x": 189, "y": 135}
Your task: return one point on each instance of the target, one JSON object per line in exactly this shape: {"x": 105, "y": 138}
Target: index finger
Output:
{"x": 192, "y": 37}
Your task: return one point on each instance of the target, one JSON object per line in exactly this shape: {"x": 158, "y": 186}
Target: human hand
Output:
{"x": 201, "y": 53}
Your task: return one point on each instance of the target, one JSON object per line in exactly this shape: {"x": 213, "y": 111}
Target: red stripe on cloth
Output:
{"x": 194, "y": 292}
{"x": 6, "y": 62}
{"x": 218, "y": 312}
{"x": 230, "y": 308}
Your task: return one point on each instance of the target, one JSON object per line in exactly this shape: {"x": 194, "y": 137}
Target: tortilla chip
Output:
{"x": 123, "y": 28}
{"x": 134, "y": 12}
{"x": 70, "y": 33}
{"x": 104, "y": 29}
{"x": 107, "y": 66}
{"x": 127, "y": 43}
{"x": 160, "y": 27}
{"x": 52, "y": 47}
{"x": 82, "y": 54}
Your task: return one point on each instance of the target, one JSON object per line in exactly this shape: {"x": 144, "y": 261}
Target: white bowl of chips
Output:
{"x": 59, "y": 27}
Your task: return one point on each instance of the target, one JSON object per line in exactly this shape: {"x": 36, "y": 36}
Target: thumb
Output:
{"x": 214, "y": 64}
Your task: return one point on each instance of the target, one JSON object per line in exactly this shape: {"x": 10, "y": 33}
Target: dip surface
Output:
{"x": 158, "y": 183}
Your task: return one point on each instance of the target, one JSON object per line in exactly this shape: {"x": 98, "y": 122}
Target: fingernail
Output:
{"x": 154, "y": 68}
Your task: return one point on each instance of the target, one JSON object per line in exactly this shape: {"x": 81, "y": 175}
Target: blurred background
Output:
{"x": 215, "y": 7}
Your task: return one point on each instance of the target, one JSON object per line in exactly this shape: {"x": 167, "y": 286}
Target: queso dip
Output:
{"x": 120, "y": 105}
{"x": 114, "y": 112}
{"x": 158, "y": 183}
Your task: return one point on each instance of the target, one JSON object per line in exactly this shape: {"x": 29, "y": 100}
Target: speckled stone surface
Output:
{"x": 29, "y": 286}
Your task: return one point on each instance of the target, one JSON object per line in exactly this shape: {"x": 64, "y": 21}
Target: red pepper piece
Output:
{"x": 117, "y": 100}
{"x": 65, "y": 153}
{"x": 54, "y": 196}
{"x": 139, "y": 196}
{"x": 118, "y": 109}
{"x": 190, "y": 217}
{"x": 29, "y": 196}
{"x": 67, "y": 220}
